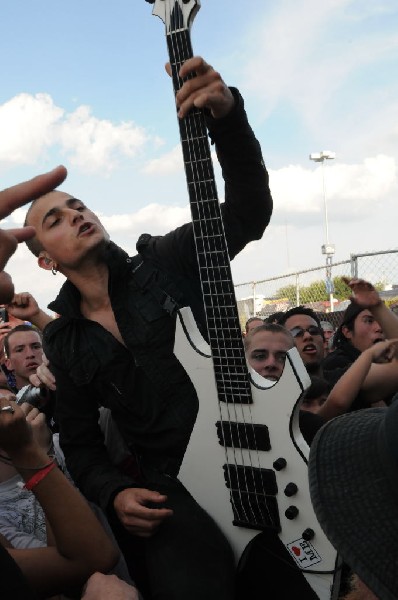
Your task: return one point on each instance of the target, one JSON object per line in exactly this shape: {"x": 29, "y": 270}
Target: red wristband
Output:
{"x": 37, "y": 477}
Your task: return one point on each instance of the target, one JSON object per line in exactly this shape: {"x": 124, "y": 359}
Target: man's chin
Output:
{"x": 313, "y": 366}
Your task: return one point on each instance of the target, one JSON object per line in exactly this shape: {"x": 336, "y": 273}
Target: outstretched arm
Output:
{"x": 351, "y": 383}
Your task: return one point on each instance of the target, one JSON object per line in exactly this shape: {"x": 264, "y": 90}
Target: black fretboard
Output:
{"x": 223, "y": 325}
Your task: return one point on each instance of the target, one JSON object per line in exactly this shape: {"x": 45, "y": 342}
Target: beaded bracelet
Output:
{"x": 39, "y": 475}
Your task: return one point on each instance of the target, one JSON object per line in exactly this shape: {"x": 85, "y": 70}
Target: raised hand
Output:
{"x": 206, "y": 90}
{"x": 43, "y": 376}
{"x": 363, "y": 293}
{"x": 384, "y": 352}
{"x": 11, "y": 199}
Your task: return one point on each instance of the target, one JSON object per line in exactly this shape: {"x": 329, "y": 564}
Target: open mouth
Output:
{"x": 84, "y": 228}
{"x": 309, "y": 348}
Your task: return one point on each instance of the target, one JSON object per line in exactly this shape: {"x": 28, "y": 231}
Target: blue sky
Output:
{"x": 83, "y": 84}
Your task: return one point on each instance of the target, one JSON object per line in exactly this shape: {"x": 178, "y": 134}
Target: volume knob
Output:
{"x": 291, "y": 489}
{"x": 308, "y": 534}
{"x": 291, "y": 512}
{"x": 279, "y": 464}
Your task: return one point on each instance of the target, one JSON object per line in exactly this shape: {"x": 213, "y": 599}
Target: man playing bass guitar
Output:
{"x": 113, "y": 347}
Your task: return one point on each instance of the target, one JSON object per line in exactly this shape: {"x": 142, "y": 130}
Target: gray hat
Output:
{"x": 353, "y": 472}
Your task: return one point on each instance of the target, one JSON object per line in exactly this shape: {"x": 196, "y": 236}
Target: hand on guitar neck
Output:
{"x": 205, "y": 90}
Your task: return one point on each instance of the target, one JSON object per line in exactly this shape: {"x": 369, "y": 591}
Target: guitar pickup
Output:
{"x": 243, "y": 435}
{"x": 253, "y": 497}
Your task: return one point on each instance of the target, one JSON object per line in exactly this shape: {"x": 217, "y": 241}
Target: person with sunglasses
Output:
{"x": 307, "y": 333}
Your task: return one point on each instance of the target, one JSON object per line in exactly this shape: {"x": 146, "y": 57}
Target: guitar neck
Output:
{"x": 225, "y": 337}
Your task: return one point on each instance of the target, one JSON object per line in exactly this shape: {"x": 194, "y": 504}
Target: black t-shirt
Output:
{"x": 309, "y": 424}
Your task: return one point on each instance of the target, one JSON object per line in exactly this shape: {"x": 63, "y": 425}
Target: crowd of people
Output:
{"x": 354, "y": 384}
{"x": 96, "y": 411}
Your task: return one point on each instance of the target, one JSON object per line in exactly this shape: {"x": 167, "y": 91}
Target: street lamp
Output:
{"x": 327, "y": 248}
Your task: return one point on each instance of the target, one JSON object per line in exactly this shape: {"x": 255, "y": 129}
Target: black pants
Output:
{"x": 188, "y": 558}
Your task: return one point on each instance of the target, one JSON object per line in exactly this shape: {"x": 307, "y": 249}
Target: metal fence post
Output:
{"x": 354, "y": 266}
{"x": 254, "y": 299}
{"x": 297, "y": 289}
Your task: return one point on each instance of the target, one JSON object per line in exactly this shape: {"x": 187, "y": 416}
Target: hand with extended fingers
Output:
{"x": 11, "y": 199}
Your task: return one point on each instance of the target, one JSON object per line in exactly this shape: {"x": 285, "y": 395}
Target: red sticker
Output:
{"x": 296, "y": 550}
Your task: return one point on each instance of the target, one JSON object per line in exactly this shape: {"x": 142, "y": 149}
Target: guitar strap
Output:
{"x": 170, "y": 292}
{"x": 150, "y": 279}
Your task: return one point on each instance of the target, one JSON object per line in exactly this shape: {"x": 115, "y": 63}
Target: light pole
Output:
{"x": 327, "y": 248}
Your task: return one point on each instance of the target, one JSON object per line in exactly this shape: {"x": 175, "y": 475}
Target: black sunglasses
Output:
{"x": 299, "y": 331}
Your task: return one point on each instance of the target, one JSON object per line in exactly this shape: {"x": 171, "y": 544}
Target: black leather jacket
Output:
{"x": 151, "y": 397}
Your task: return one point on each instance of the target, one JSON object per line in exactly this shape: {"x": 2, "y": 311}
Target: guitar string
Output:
{"x": 212, "y": 220}
{"x": 208, "y": 177}
{"x": 179, "y": 57}
{"x": 235, "y": 345}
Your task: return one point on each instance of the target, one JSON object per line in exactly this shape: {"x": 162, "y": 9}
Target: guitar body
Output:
{"x": 202, "y": 470}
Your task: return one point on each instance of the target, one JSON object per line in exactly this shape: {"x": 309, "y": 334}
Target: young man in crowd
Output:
{"x": 266, "y": 346}
{"x": 252, "y": 323}
{"x": 113, "y": 346}
{"x": 23, "y": 350}
{"x": 307, "y": 334}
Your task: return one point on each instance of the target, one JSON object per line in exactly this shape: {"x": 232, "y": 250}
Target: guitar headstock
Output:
{"x": 175, "y": 14}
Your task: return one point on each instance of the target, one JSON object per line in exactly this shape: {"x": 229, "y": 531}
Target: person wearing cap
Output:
{"x": 353, "y": 476}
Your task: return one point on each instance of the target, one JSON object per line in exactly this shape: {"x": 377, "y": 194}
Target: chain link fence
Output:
{"x": 320, "y": 288}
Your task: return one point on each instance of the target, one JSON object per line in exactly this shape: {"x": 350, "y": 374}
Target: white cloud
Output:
{"x": 30, "y": 125}
{"x": 171, "y": 162}
{"x": 156, "y": 219}
{"x": 351, "y": 190}
{"x": 27, "y": 125}
{"x": 94, "y": 144}
{"x": 312, "y": 59}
